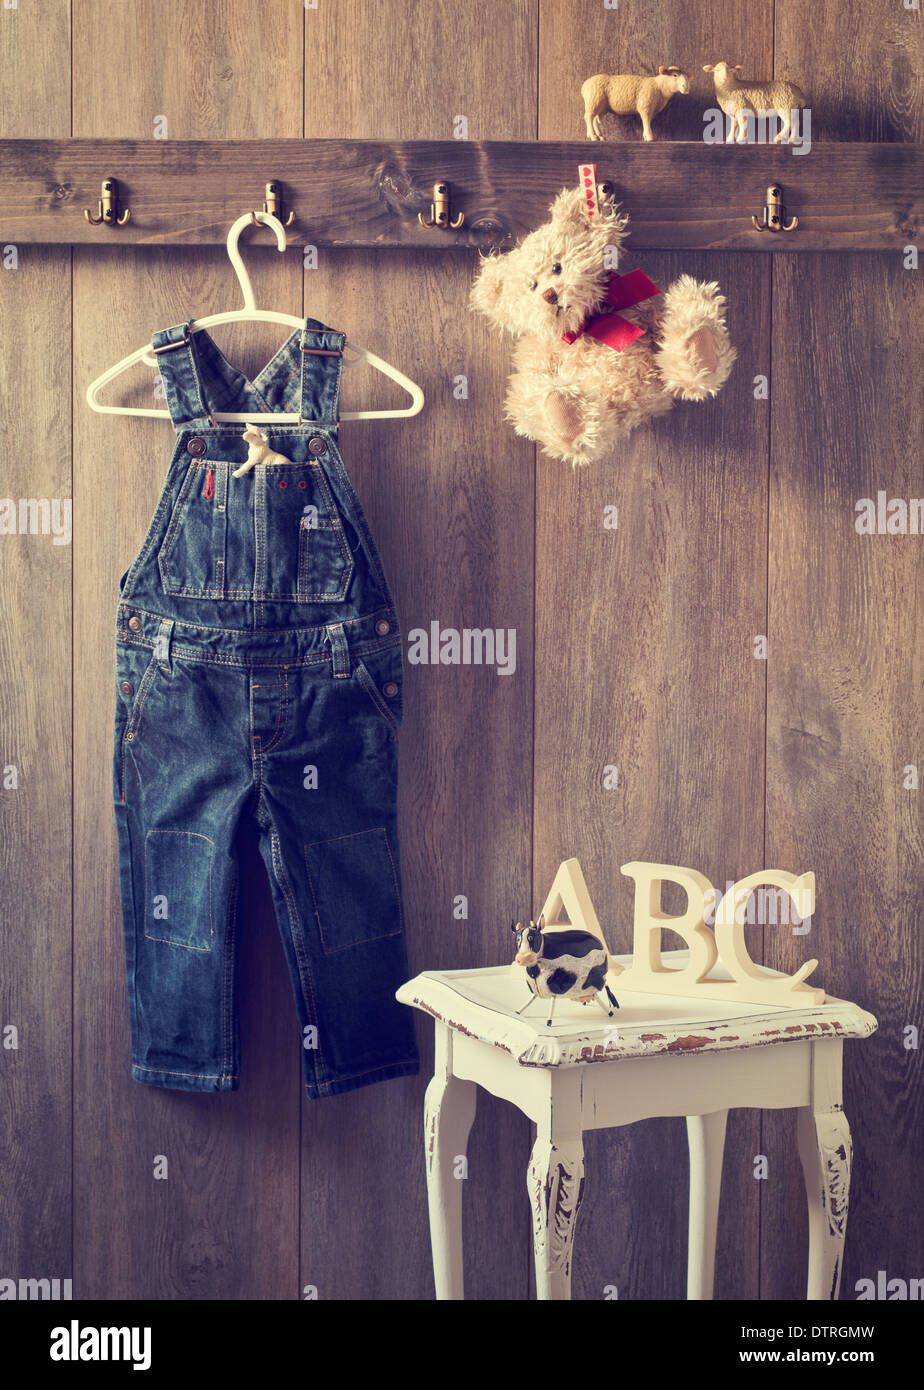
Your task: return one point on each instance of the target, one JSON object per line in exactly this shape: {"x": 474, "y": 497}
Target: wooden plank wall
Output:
{"x": 36, "y": 657}
{"x": 845, "y": 709}
{"x": 735, "y": 518}
{"x": 646, "y": 628}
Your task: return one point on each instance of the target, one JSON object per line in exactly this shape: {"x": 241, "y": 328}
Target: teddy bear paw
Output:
{"x": 702, "y": 344}
{"x": 563, "y": 413}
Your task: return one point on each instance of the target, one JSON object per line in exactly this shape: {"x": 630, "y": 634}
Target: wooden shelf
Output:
{"x": 681, "y": 195}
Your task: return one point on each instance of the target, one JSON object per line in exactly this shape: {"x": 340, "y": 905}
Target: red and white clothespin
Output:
{"x": 587, "y": 173}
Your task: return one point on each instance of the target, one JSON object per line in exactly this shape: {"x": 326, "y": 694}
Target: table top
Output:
{"x": 483, "y": 1004}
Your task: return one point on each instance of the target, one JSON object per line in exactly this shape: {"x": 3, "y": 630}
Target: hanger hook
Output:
{"x": 268, "y": 219}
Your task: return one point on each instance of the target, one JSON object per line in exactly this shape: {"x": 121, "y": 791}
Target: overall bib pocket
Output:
{"x": 325, "y": 560}
{"x": 192, "y": 554}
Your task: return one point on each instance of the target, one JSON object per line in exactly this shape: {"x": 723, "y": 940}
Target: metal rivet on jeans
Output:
{"x": 196, "y": 446}
{"x": 134, "y": 623}
{"x": 382, "y": 627}
{"x": 317, "y": 444}
{"x": 127, "y": 688}
{"x": 390, "y": 689}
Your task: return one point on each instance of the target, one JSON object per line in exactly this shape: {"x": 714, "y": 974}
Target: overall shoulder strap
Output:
{"x": 182, "y": 378}
{"x": 322, "y": 367}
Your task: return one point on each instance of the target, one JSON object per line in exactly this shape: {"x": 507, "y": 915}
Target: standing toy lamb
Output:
{"x": 626, "y": 94}
{"x": 564, "y": 963}
{"x": 739, "y": 99}
{"x": 584, "y": 375}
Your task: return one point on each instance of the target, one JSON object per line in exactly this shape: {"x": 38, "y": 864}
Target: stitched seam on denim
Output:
{"x": 194, "y": 654}
{"x": 194, "y": 369}
{"x": 147, "y": 680}
{"x": 172, "y": 585}
{"x": 362, "y": 941}
{"x": 273, "y": 632}
{"x": 302, "y": 960}
{"x": 256, "y": 758}
{"x": 386, "y": 1066}
{"x": 283, "y": 724}
{"x": 265, "y": 597}
{"x": 259, "y": 512}
{"x": 166, "y": 940}
{"x": 368, "y": 684}
{"x": 267, "y": 370}
{"x": 173, "y": 530}
{"x": 334, "y": 524}
{"x": 164, "y": 1071}
{"x": 148, "y": 542}
{"x": 361, "y": 524}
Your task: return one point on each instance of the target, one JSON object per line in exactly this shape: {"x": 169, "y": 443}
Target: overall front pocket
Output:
{"x": 307, "y": 556}
{"x": 355, "y": 888}
{"x": 192, "y": 554}
{"x": 178, "y": 888}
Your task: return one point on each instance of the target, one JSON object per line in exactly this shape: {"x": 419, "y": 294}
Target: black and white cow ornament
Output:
{"x": 563, "y": 963}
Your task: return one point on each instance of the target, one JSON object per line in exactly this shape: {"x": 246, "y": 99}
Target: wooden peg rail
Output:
{"x": 681, "y": 195}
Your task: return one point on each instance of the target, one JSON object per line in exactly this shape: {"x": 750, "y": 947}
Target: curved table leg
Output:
{"x": 555, "y": 1178}
{"x": 825, "y": 1150}
{"x": 449, "y": 1108}
{"x": 706, "y": 1140}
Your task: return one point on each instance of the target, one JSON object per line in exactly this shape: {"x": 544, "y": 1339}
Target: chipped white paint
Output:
{"x": 555, "y": 1179}
{"x": 663, "y": 1055}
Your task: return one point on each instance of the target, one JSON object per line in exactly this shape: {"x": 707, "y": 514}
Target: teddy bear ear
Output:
{"x": 486, "y": 291}
{"x": 570, "y": 207}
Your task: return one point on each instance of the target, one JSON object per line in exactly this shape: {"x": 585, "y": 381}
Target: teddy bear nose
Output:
{"x": 550, "y": 297}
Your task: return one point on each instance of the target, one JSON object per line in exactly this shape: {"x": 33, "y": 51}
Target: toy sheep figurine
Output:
{"x": 739, "y": 99}
{"x": 258, "y": 451}
{"x": 627, "y": 95}
{"x": 564, "y": 963}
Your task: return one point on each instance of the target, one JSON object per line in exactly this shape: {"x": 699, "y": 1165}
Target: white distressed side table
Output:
{"x": 658, "y": 1055}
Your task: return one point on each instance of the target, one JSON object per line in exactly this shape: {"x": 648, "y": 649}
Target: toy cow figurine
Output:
{"x": 563, "y": 962}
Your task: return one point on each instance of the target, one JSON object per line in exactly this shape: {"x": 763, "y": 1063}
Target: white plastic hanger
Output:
{"x": 251, "y": 314}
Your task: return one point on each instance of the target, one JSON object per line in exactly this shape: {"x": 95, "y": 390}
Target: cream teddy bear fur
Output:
{"x": 577, "y": 398}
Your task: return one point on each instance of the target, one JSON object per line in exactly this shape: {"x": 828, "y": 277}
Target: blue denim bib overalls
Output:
{"x": 258, "y": 673}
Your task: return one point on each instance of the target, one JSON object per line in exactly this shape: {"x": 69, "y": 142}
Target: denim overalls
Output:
{"x": 258, "y": 673}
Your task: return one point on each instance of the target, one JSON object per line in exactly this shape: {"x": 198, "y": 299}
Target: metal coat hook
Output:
{"x": 109, "y": 206}
{"x": 273, "y": 205}
{"x": 441, "y": 210}
{"x": 773, "y": 217}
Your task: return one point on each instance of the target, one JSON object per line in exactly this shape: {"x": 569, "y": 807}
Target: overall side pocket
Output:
{"x": 380, "y": 675}
{"x": 136, "y": 669}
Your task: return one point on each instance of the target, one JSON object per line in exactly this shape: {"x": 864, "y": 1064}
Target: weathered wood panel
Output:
{"x": 450, "y": 500}
{"x": 638, "y": 631}
{"x": 224, "y": 1223}
{"x": 845, "y": 675}
{"x": 35, "y": 767}
{"x": 860, "y": 65}
{"x": 368, "y": 192}
{"x": 845, "y": 719}
{"x": 35, "y": 690}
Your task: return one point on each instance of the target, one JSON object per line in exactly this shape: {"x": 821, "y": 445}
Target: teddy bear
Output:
{"x": 597, "y": 353}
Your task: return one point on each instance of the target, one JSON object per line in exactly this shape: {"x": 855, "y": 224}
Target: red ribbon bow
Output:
{"x": 611, "y": 328}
